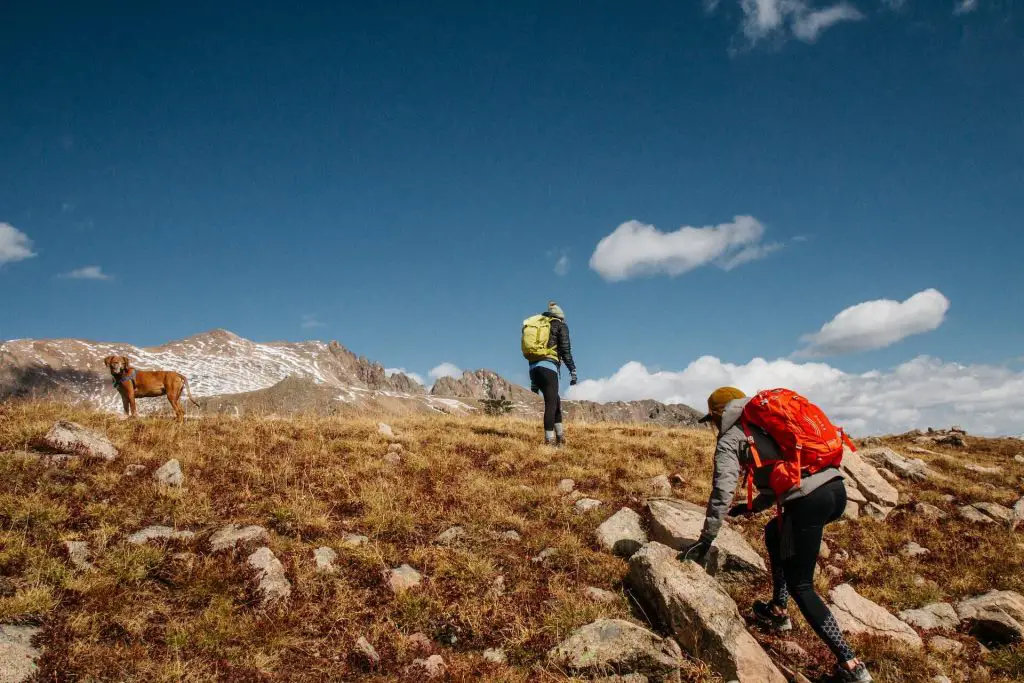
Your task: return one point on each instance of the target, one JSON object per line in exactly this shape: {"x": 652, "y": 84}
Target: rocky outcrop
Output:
{"x": 699, "y": 614}
{"x": 908, "y": 468}
{"x": 869, "y": 482}
{"x": 615, "y": 646}
{"x": 72, "y": 438}
{"x": 997, "y": 615}
{"x": 481, "y": 384}
{"x": 857, "y": 614}
{"x": 936, "y": 616}
{"x": 678, "y": 523}
{"x": 622, "y": 533}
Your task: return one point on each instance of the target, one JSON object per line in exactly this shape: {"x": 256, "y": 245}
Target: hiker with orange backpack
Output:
{"x": 788, "y": 450}
{"x": 546, "y": 345}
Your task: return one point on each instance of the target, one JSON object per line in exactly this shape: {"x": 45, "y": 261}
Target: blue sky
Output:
{"x": 404, "y": 177}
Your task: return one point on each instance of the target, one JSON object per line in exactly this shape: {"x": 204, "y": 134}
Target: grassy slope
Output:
{"x": 153, "y": 614}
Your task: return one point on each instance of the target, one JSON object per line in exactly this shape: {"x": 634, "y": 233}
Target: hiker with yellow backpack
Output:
{"x": 545, "y": 344}
{"x": 784, "y": 446}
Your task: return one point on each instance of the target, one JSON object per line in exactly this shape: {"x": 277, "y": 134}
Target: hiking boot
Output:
{"x": 858, "y": 675}
{"x": 771, "y": 620}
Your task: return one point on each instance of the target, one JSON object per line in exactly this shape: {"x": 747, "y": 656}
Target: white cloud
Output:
{"x": 562, "y": 265}
{"x": 88, "y": 273}
{"x": 780, "y": 19}
{"x": 965, "y": 6}
{"x": 877, "y": 324}
{"x": 808, "y": 27}
{"x": 14, "y": 244}
{"x": 310, "y": 321}
{"x": 445, "y": 370}
{"x": 636, "y": 248}
{"x": 388, "y": 372}
{"x": 923, "y": 392}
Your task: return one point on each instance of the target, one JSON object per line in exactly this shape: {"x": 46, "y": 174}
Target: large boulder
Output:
{"x": 74, "y": 439}
{"x": 622, "y": 533}
{"x": 936, "y": 616}
{"x": 17, "y": 656}
{"x": 874, "y": 487}
{"x": 615, "y": 646}
{"x": 678, "y": 523}
{"x": 857, "y": 614}
{"x": 908, "y": 468}
{"x": 996, "y": 615}
{"x": 700, "y": 614}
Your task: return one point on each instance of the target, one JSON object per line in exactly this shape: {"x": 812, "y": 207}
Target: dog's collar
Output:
{"x": 122, "y": 378}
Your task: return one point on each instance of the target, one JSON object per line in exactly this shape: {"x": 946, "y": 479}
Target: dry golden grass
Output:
{"x": 175, "y": 612}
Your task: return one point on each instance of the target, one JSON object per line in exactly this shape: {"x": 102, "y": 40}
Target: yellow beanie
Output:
{"x": 719, "y": 399}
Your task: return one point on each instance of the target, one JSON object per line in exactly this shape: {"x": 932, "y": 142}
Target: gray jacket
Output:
{"x": 731, "y": 457}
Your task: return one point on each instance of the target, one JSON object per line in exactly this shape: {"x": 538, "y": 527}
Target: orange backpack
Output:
{"x": 807, "y": 440}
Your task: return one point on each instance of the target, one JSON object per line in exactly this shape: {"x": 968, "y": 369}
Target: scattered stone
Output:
{"x": 495, "y": 655}
{"x": 972, "y": 514}
{"x": 981, "y": 469}
{"x": 431, "y": 667}
{"x": 617, "y": 646}
{"x": 170, "y": 474}
{"x": 74, "y": 439}
{"x": 852, "y": 492}
{"x": 512, "y": 536}
{"x": 324, "y": 558}
{"x": 793, "y": 650}
{"x": 824, "y": 552}
{"x": 586, "y": 504}
{"x": 947, "y": 497}
{"x": 997, "y": 616}
{"x": 700, "y": 614}
{"x": 385, "y": 430}
{"x": 600, "y": 595}
{"x": 868, "y": 480}
{"x": 936, "y": 616}
{"x": 852, "y": 510}
{"x": 544, "y": 555}
{"x": 622, "y": 533}
{"x": 133, "y": 469}
{"x": 566, "y": 486}
{"x": 451, "y": 536}
{"x": 274, "y": 585}
{"x": 232, "y": 536}
{"x": 997, "y": 512}
{"x": 368, "y": 651}
{"x": 419, "y": 643}
{"x": 17, "y": 656}
{"x": 150, "y": 533}
{"x": 678, "y": 523}
{"x": 909, "y": 468}
{"x": 912, "y": 549}
{"x": 876, "y": 511}
{"x": 403, "y": 578}
{"x": 857, "y": 614}
{"x": 944, "y": 645}
{"x": 392, "y": 458}
{"x": 78, "y": 554}
{"x": 354, "y": 540}
{"x": 659, "y": 486}
{"x": 930, "y": 511}
{"x": 396, "y": 448}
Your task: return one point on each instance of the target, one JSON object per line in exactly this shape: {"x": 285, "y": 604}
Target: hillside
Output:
{"x": 471, "y": 504}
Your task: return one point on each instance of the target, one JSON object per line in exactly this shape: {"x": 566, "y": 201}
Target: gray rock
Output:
{"x": 972, "y": 514}
{"x": 658, "y": 486}
{"x": 385, "y": 430}
{"x": 231, "y": 536}
{"x": 403, "y": 578}
{"x": 396, "y": 448}
{"x": 170, "y": 474}
{"x": 78, "y": 554}
{"x": 451, "y": 535}
{"x": 615, "y": 646}
{"x": 889, "y": 476}
{"x": 912, "y": 549}
{"x": 875, "y": 511}
{"x": 353, "y": 540}
{"x": 996, "y": 615}
{"x": 566, "y": 486}
{"x": 134, "y": 469}
{"x": 17, "y": 656}
{"x": 495, "y": 655}
{"x": 151, "y": 533}
{"x": 908, "y": 468}
{"x": 74, "y": 439}
{"x": 857, "y": 614}
{"x": 431, "y": 667}
{"x": 929, "y": 511}
{"x": 999, "y": 513}
{"x": 622, "y": 533}
{"x": 944, "y": 645}
{"x": 678, "y": 523}
{"x": 700, "y": 614}
{"x": 1018, "y": 512}
{"x": 954, "y": 440}
{"x": 274, "y": 585}
{"x": 325, "y": 558}
{"x": 600, "y": 595}
{"x": 868, "y": 480}
{"x": 852, "y": 492}
{"x": 368, "y": 651}
{"x": 824, "y": 552}
{"x": 419, "y": 643}
{"x": 392, "y": 458}
{"x": 512, "y": 536}
{"x": 936, "y": 616}
{"x": 586, "y": 504}
{"x": 544, "y": 555}
{"x": 852, "y": 510}
{"x": 1019, "y": 458}
{"x": 981, "y": 469}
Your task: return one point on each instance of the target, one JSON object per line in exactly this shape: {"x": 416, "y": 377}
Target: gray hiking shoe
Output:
{"x": 858, "y": 675}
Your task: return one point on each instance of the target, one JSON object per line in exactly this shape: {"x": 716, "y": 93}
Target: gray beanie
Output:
{"x": 556, "y": 310}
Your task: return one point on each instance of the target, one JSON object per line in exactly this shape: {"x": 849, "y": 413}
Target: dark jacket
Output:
{"x": 559, "y": 341}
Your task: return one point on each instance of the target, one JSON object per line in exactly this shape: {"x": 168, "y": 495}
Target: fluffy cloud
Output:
{"x": 310, "y": 321}
{"x": 965, "y": 6}
{"x": 808, "y": 27}
{"x": 877, "y": 324}
{"x": 88, "y": 273}
{"x": 445, "y": 370}
{"x": 14, "y": 244}
{"x": 562, "y": 265}
{"x": 919, "y": 393}
{"x": 635, "y": 248}
{"x": 780, "y": 19}
{"x": 402, "y": 371}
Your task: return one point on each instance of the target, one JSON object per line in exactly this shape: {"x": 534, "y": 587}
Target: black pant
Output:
{"x": 793, "y": 549}
{"x": 546, "y": 380}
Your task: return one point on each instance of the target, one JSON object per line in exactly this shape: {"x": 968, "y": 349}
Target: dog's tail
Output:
{"x": 189, "y": 392}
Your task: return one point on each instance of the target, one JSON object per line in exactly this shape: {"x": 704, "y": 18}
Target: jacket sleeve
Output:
{"x": 565, "y": 347}
{"x": 723, "y": 486}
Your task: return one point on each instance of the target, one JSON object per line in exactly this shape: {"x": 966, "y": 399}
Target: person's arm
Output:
{"x": 565, "y": 348}
{"x": 723, "y": 486}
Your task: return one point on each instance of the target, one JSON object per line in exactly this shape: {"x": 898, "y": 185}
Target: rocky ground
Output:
{"x": 313, "y": 549}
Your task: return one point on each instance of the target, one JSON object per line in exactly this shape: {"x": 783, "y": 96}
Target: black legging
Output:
{"x": 793, "y": 551}
{"x": 546, "y": 380}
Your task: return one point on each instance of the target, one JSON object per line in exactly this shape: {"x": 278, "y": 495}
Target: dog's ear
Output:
{"x": 127, "y": 363}
{"x": 108, "y": 361}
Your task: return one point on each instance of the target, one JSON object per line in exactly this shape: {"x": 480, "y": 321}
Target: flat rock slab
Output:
{"x": 74, "y": 439}
{"x": 170, "y": 474}
{"x": 998, "y": 615}
{"x": 678, "y": 523}
{"x": 857, "y": 614}
{"x": 908, "y": 468}
{"x": 999, "y": 513}
{"x": 152, "y": 533}
{"x": 232, "y": 535}
{"x": 700, "y": 615}
{"x": 403, "y": 578}
{"x": 274, "y": 585}
{"x": 874, "y": 487}
{"x": 936, "y": 616}
{"x": 973, "y": 514}
{"x": 622, "y": 533}
{"x": 616, "y": 646}
{"x": 17, "y": 656}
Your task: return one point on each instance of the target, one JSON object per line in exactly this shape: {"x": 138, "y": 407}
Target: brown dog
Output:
{"x": 132, "y": 384}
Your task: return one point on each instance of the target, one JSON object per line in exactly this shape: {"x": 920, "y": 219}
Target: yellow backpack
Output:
{"x": 536, "y": 335}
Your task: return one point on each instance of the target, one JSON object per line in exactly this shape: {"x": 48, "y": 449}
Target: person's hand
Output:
{"x": 573, "y": 379}
{"x": 697, "y": 552}
{"x": 740, "y": 510}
